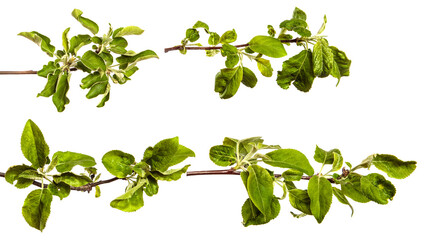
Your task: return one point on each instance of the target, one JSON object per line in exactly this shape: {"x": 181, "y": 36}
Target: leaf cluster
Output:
{"x": 108, "y": 60}
{"x": 262, "y": 205}
{"x": 142, "y": 177}
{"x": 300, "y": 70}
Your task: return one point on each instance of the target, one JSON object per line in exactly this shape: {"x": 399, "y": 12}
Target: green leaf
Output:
{"x": 51, "y": 84}
{"x": 342, "y": 198}
{"x": 78, "y": 42}
{"x": 325, "y": 156}
{"x": 213, "y": 38}
{"x": 268, "y": 46}
{"x": 130, "y": 30}
{"x": 249, "y": 78}
{"x": 377, "y": 188}
{"x": 394, "y": 167}
{"x": 62, "y": 190}
{"x": 299, "y": 14}
{"x": 12, "y": 174}
{"x": 321, "y": 193}
{"x": 104, "y": 99}
{"x": 322, "y": 58}
{"x": 33, "y": 145}
{"x": 260, "y": 189}
{"x": 322, "y": 28}
{"x": 171, "y": 174}
{"x": 131, "y": 200}
{"x": 90, "y": 80}
{"x": 31, "y": 174}
{"x": 72, "y": 179}
{"x": 264, "y": 66}
{"x": 118, "y": 163}
{"x": 271, "y": 31}
{"x": 40, "y": 40}
{"x": 351, "y": 187}
{"x": 341, "y": 64}
{"x": 232, "y": 78}
{"x": 223, "y": 155}
{"x": 289, "y": 158}
{"x": 292, "y": 175}
{"x": 228, "y": 37}
{"x": 147, "y": 54}
{"x": 252, "y": 216}
{"x": 85, "y": 22}
{"x": 167, "y": 153}
{"x": 67, "y": 160}
{"x": 62, "y": 87}
{"x": 47, "y": 69}
{"x": 99, "y": 86}
{"x": 200, "y": 24}
{"x": 97, "y": 194}
{"x": 299, "y": 70}
{"x": 337, "y": 163}
{"x": 93, "y": 61}
{"x": 152, "y": 187}
{"x": 65, "y": 41}
{"x": 36, "y": 208}
{"x": 192, "y": 34}
{"x": 300, "y": 200}
{"x": 107, "y": 57}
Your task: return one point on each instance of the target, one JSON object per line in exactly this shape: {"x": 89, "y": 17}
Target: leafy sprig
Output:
{"x": 300, "y": 70}
{"x": 259, "y": 166}
{"x": 262, "y": 205}
{"x": 142, "y": 176}
{"x": 108, "y": 61}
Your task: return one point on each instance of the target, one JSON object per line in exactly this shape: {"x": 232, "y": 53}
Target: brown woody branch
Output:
{"x": 88, "y": 187}
{"x": 24, "y": 72}
{"x": 181, "y": 47}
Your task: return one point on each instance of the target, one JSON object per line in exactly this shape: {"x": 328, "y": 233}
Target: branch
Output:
{"x": 24, "y": 72}
{"x": 88, "y": 187}
{"x": 181, "y": 47}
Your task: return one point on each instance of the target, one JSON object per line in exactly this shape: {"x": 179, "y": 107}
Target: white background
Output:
{"x": 378, "y": 109}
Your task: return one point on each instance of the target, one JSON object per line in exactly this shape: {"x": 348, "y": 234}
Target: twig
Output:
{"x": 88, "y": 187}
{"x": 181, "y": 47}
{"x": 25, "y": 72}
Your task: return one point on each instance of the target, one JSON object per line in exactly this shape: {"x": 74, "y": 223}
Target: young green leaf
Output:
{"x": 289, "y": 158}
{"x": 264, "y": 66}
{"x": 130, "y": 30}
{"x": 232, "y": 78}
{"x": 152, "y": 187}
{"x": 78, "y": 42}
{"x": 147, "y": 54}
{"x": 377, "y": 188}
{"x": 167, "y": 153}
{"x": 65, "y": 41}
{"x": 31, "y": 174}
{"x": 394, "y": 167}
{"x": 341, "y": 64}
{"x": 200, "y": 24}
{"x": 260, "y": 189}
{"x": 59, "y": 97}
{"x": 72, "y": 179}
{"x": 85, "y": 22}
{"x": 320, "y": 192}
{"x": 299, "y": 70}
{"x": 170, "y": 175}
{"x": 192, "y": 34}
{"x": 213, "y": 38}
{"x": 322, "y": 58}
{"x": 300, "y": 200}
{"x": 337, "y": 163}
{"x": 93, "y": 61}
{"x": 351, "y": 187}
{"x": 67, "y": 160}
{"x": 342, "y": 198}
{"x": 47, "y": 69}
{"x": 36, "y": 208}
{"x": 325, "y": 156}
{"x": 33, "y": 145}
{"x": 249, "y": 78}
{"x": 223, "y": 155}
{"x": 131, "y": 200}
{"x": 40, "y": 40}
{"x": 252, "y": 216}
{"x": 118, "y": 163}
{"x": 299, "y": 14}
{"x": 268, "y": 46}
{"x": 292, "y": 175}
{"x": 228, "y": 37}
{"x": 51, "y": 84}
{"x": 12, "y": 174}
{"x": 62, "y": 190}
